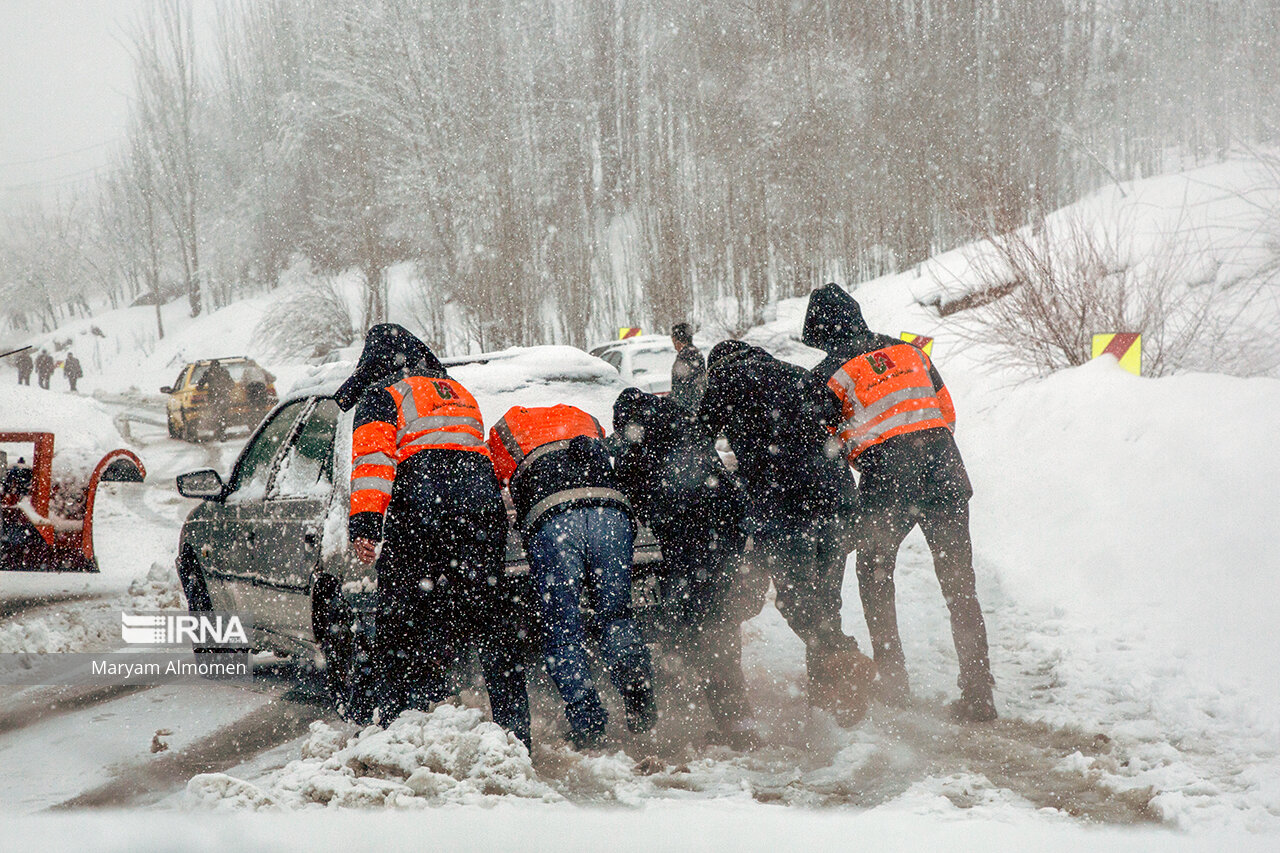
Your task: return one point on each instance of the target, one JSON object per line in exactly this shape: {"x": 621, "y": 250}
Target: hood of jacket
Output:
{"x": 660, "y": 420}
{"x": 389, "y": 350}
{"x": 834, "y": 319}
{"x": 726, "y": 352}
{"x": 633, "y": 406}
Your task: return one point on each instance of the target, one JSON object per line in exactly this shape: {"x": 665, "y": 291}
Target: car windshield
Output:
{"x": 649, "y": 361}
{"x": 235, "y": 368}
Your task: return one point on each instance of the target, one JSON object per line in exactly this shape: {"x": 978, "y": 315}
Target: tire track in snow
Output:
{"x": 269, "y": 726}
{"x": 48, "y": 703}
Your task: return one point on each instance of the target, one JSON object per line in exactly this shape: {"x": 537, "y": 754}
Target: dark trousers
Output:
{"x": 703, "y": 609}
{"x": 441, "y": 591}
{"x": 588, "y": 550}
{"x": 945, "y": 525}
{"x": 806, "y": 562}
{"x": 24, "y": 377}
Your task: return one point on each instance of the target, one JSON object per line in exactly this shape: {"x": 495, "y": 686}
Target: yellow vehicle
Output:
{"x": 194, "y": 403}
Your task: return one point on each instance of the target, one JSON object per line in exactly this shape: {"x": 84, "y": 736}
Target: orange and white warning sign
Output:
{"x": 628, "y": 332}
{"x": 1125, "y": 346}
{"x": 923, "y": 342}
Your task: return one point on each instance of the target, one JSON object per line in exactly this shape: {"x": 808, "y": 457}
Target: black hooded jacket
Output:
{"x": 669, "y": 469}
{"x": 925, "y": 463}
{"x": 431, "y": 483}
{"x": 776, "y": 417}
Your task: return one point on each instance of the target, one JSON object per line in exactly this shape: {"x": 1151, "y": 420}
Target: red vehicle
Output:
{"x": 46, "y": 514}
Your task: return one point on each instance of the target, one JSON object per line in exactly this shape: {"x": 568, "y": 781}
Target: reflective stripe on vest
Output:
{"x": 437, "y": 413}
{"x": 885, "y": 393}
{"x": 568, "y": 496}
{"x": 373, "y": 470}
{"x": 537, "y": 453}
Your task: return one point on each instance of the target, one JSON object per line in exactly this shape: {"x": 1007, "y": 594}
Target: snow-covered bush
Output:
{"x": 312, "y": 320}
{"x": 1043, "y": 292}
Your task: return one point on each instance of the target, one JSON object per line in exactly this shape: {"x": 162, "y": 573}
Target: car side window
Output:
{"x": 613, "y": 359}
{"x": 182, "y": 377}
{"x": 253, "y": 471}
{"x": 306, "y": 466}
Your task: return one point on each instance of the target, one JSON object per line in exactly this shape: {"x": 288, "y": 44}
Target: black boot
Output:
{"x": 974, "y": 706}
{"x": 642, "y": 709}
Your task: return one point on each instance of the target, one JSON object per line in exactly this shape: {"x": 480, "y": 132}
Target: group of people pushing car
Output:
{"x": 426, "y": 505}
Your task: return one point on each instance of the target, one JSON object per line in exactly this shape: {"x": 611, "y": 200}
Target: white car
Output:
{"x": 643, "y": 361}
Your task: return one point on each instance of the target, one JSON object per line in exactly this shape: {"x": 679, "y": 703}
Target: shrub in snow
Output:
{"x": 1043, "y": 292}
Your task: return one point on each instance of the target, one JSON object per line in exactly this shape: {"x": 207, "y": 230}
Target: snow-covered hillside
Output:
{"x": 1125, "y": 560}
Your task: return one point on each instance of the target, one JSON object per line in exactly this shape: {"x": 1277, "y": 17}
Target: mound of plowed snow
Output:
{"x": 451, "y": 755}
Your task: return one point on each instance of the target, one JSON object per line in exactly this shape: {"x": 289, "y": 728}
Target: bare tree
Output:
{"x": 165, "y": 109}
{"x": 1058, "y": 285}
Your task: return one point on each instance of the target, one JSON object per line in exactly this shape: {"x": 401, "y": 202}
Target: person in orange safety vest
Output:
{"x": 579, "y": 537}
{"x": 423, "y": 485}
{"x": 897, "y": 426}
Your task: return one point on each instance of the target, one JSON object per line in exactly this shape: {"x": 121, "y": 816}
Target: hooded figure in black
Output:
{"x": 898, "y": 417}
{"x": 423, "y": 485}
{"x": 776, "y": 417}
{"x": 670, "y": 472}
{"x": 217, "y": 384}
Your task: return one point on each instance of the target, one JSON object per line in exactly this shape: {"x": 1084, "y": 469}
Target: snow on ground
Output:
{"x": 1125, "y": 566}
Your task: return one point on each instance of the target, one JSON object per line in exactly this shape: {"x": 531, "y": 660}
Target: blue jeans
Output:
{"x": 588, "y": 549}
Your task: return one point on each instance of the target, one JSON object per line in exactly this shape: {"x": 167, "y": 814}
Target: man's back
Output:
{"x": 775, "y": 415}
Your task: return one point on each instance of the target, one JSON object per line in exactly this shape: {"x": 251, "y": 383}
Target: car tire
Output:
{"x": 199, "y": 601}
{"x": 174, "y": 431}
{"x": 190, "y": 428}
{"x": 348, "y": 669}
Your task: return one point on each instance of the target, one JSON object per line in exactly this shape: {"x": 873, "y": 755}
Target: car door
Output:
{"x": 244, "y": 508}
{"x": 293, "y": 517}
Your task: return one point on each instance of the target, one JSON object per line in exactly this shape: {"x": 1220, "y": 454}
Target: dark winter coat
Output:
{"x": 688, "y": 378}
{"x": 388, "y": 349}
{"x": 44, "y": 365}
{"x": 25, "y": 365}
{"x": 431, "y": 484}
{"x": 563, "y": 473}
{"x": 669, "y": 469}
{"x": 904, "y": 468}
{"x": 776, "y": 417}
{"x": 217, "y": 383}
{"x": 71, "y": 368}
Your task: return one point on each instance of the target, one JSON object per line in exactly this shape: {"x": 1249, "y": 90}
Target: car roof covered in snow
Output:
{"x": 520, "y": 376}
{"x": 638, "y": 340}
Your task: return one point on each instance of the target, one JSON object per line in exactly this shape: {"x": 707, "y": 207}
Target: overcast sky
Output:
{"x": 65, "y": 79}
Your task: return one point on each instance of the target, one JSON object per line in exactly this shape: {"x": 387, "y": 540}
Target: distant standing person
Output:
{"x": 44, "y": 369}
{"x": 24, "y": 364}
{"x": 897, "y": 431}
{"x": 72, "y": 370}
{"x": 689, "y": 372}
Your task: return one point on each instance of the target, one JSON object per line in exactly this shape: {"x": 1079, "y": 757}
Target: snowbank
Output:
{"x": 449, "y": 756}
{"x": 1137, "y": 499}
{"x": 83, "y": 428}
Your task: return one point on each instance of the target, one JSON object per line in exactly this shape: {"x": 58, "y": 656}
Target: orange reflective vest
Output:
{"x": 431, "y": 414}
{"x": 888, "y": 392}
{"x": 525, "y": 435}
